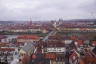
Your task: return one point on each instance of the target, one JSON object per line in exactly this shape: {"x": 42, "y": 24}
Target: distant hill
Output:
{"x": 85, "y": 20}
{"x": 81, "y": 20}
{"x": 72, "y": 20}
{"x": 6, "y": 22}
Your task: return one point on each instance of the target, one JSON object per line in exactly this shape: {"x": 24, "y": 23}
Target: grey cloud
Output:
{"x": 46, "y": 9}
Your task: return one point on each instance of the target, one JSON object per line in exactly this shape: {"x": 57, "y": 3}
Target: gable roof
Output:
{"x": 28, "y": 47}
{"x": 28, "y": 37}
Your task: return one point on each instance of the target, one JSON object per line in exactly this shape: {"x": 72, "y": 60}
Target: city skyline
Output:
{"x": 47, "y": 9}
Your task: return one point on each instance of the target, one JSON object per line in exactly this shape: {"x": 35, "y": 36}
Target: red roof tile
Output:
{"x": 4, "y": 44}
{"x": 28, "y": 37}
{"x": 7, "y": 49}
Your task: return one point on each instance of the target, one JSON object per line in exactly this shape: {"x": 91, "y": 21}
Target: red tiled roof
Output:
{"x": 4, "y": 44}
{"x": 28, "y": 37}
{"x": 80, "y": 42}
{"x": 50, "y": 56}
{"x": 94, "y": 43}
{"x": 7, "y": 49}
{"x": 55, "y": 44}
{"x": 74, "y": 37}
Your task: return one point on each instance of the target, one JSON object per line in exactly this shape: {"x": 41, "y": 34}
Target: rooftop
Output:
{"x": 28, "y": 37}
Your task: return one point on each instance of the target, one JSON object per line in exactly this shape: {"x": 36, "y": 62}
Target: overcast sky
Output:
{"x": 47, "y": 9}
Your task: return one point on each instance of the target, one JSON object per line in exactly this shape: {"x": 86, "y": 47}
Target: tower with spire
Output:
{"x": 30, "y": 22}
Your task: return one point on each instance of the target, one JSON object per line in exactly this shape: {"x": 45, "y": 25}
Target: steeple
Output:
{"x": 29, "y": 22}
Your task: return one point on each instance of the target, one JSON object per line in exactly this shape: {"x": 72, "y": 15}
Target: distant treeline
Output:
{"x": 22, "y": 33}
